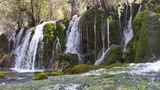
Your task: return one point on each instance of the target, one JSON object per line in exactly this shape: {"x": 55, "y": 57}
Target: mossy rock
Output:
{"x": 115, "y": 56}
{"x": 58, "y": 73}
{"x": 116, "y": 65}
{"x": 144, "y": 43}
{"x": 81, "y": 68}
{"x": 40, "y": 76}
{"x": 146, "y": 38}
{"x": 3, "y": 74}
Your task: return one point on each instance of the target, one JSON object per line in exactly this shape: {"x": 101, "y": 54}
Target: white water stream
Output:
{"x": 26, "y": 52}
{"x": 73, "y": 39}
{"x": 128, "y": 32}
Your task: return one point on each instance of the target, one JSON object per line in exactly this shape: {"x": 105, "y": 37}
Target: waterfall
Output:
{"x": 73, "y": 39}
{"x": 128, "y": 31}
{"x": 108, "y": 31}
{"x": 105, "y": 52}
{"x": 26, "y": 52}
{"x": 101, "y": 59}
{"x": 21, "y": 51}
{"x": 19, "y": 37}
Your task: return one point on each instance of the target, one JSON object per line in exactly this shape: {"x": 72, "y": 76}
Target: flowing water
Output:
{"x": 104, "y": 52}
{"x": 73, "y": 39}
{"x": 101, "y": 59}
{"x": 128, "y": 32}
{"x": 19, "y": 37}
{"x": 21, "y": 51}
{"x": 117, "y": 78}
{"x": 26, "y": 52}
{"x": 146, "y": 68}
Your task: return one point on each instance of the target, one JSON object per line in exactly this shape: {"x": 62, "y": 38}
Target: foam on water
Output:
{"x": 144, "y": 68}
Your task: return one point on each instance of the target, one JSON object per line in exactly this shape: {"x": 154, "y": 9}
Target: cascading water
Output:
{"x": 26, "y": 52}
{"x": 21, "y": 51}
{"x": 73, "y": 39}
{"x": 128, "y": 31}
{"x": 104, "y": 53}
{"x": 101, "y": 59}
{"x": 19, "y": 37}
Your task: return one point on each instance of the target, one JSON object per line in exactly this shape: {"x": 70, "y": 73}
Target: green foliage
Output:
{"x": 49, "y": 32}
{"x": 40, "y": 76}
{"x": 52, "y": 31}
{"x": 66, "y": 21}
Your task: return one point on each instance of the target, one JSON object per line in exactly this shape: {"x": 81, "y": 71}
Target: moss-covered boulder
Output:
{"x": 58, "y": 73}
{"x": 81, "y": 68}
{"x": 115, "y": 55}
{"x": 145, "y": 45}
{"x": 40, "y": 76}
{"x": 3, "y": 74}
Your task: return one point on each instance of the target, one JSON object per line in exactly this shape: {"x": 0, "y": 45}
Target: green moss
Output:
{"x": 66, "y": 21}
{"x": 115, "y": 56}
{"x": 146, "y": 37}
{"x": 60, "y": 27}
{"x": 140, "y": 45}
{"x": 116, "y": 65}
{"x": 61, "y": 34}
{"x": 55, "y": 73}
{"x": 40, "y": 76}
{"x": 81, "y": 68}
{"x": 49, "y": 32}
{"x": 3, "y": 74}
